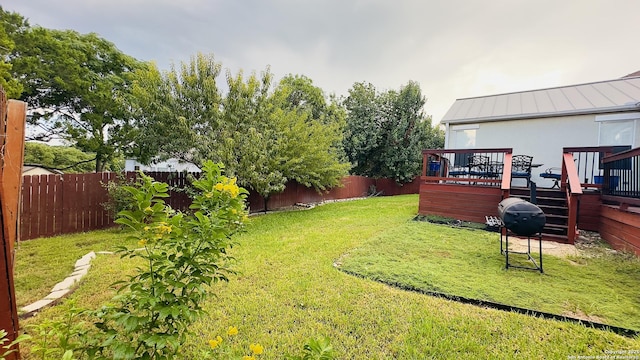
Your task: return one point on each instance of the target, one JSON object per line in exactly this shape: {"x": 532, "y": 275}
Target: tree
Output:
{"x": 263, "y": 136}
{"x": 178, "y": 112}
{"x": 310, "y": 134}
{"x": 251, "y": 136}
{"x": 65, "y": 158}
{"x": 11, "y": 24}
{"x": 80, "y": 85}
{"x": 386, "y": 132}
{"x": 363, "y": 130}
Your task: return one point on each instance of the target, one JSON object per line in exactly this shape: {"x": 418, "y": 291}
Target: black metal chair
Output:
{"x": 479, "y": 165}
{"x": 521, "y": 167}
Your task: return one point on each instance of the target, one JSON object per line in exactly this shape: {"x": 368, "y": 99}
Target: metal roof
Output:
{"x": 592, "y": 98}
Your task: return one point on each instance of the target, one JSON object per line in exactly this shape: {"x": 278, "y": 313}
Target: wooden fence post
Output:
{"x": 12, "y": 123}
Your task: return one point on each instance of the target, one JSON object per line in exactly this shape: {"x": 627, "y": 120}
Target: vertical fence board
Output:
{"x": 48, "y": 204}
{"x": 37, "y": 205}
{"x": 25, "y": 210}
{"x": 68, "y": 225}
{"x": 57, "y": 213}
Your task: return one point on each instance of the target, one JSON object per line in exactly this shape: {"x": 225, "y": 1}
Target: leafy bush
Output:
{"x": 8, "y": 347}
{"x": 184, "y": 255}
{"x": 119, "y": 198}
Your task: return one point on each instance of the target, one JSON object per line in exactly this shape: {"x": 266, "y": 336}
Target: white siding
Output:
{"x": 542, "y": 138}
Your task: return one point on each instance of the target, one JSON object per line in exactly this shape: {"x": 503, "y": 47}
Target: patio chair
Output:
{"x": 479, "y": 166}
{"x": 521, "y": 167}
{"x": 553, "y": 174}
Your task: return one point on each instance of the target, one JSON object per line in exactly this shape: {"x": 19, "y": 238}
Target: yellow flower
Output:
{"x": 208, "y": 195}
{"x": 219, "y": 186}
{"x": 232, "y": 331}
{"x": 256, "y": 349}
{"x": 146, "y": 228}
{"x": 142, "y": 242}
{"x": 164, "y": 229}
{"x": 213, "y": 343}
{"x": 247, "y": 357}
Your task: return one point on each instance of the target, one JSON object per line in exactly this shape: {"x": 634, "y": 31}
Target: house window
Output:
{"x": 618, "y": 129}
{"x": 616, "y": 133}
{"x": 462, "y": 137}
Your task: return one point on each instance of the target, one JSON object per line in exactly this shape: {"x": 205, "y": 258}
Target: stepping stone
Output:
{"x": 55, "y": 295}
{"x": 86, "y": 260}
{"x": 81, "y": 271}
{"x": 36, "y": 306}
{"x": 66, "y": 283}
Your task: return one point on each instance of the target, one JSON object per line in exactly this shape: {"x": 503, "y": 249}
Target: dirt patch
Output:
{"x": 548, "y": 247}
{"x": 582, "y": 316}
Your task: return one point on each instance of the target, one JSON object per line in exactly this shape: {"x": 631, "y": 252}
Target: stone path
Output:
{"x": 64, "y": 287}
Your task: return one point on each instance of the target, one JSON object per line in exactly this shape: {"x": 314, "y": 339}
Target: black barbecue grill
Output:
{"x": 521, "y": 218}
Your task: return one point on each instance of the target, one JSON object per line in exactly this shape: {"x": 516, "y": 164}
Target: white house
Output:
{"x": 169, "y": 165}
{"x": 541, "y": 122}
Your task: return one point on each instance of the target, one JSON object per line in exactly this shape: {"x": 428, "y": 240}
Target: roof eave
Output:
{"x": 613, "y": 109}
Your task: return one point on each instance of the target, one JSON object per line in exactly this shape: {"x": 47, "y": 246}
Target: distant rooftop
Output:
{"x": 598, "y": 97}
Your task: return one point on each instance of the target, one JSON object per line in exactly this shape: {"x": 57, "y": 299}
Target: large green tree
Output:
{"x": 80, "y": 86}
{"x": 386, "y": 132}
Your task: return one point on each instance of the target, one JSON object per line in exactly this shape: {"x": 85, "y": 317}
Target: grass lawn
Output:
{"x": 288, "y": 290}
{"x": 600, "y": 287}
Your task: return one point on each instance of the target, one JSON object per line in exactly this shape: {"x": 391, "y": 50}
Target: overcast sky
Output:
{"x": 452, "y": 48}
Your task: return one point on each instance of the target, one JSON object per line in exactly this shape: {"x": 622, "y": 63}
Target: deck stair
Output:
{"x": 554, "y": 205}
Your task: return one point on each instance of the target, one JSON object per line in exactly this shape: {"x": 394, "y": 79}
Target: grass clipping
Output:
{"x": 467, "y": 263}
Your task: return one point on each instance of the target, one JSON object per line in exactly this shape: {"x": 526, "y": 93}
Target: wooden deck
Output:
{"x": 613, "y": 211}
{"x": 463, "y": 202}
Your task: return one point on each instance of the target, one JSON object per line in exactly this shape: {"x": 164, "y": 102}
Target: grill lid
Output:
{"x": 521, "y": 217}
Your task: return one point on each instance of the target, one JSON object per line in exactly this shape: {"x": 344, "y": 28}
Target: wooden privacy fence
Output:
{"x": 63, "y": 204}
{"x": 71, "y": 203}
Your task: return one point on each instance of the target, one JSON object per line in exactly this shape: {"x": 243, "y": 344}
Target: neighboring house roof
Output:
{"x": 598, "y": 97}
{"x": 34, "y": 169}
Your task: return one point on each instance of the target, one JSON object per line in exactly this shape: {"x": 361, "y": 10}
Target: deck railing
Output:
{"x": 573, "y": 188}
{"x": 588, "y": 163}
{"x": 478, "y": 167}
{"x": 621, "y": 178}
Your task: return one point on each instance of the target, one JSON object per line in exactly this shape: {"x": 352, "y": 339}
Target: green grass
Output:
{"x": 288, "y": 290}
{"x": 467, "y": 263}
{"x": 42, "y": 263}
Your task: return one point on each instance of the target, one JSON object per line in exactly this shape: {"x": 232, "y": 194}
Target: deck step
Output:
{"x": 553, "y": 204}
